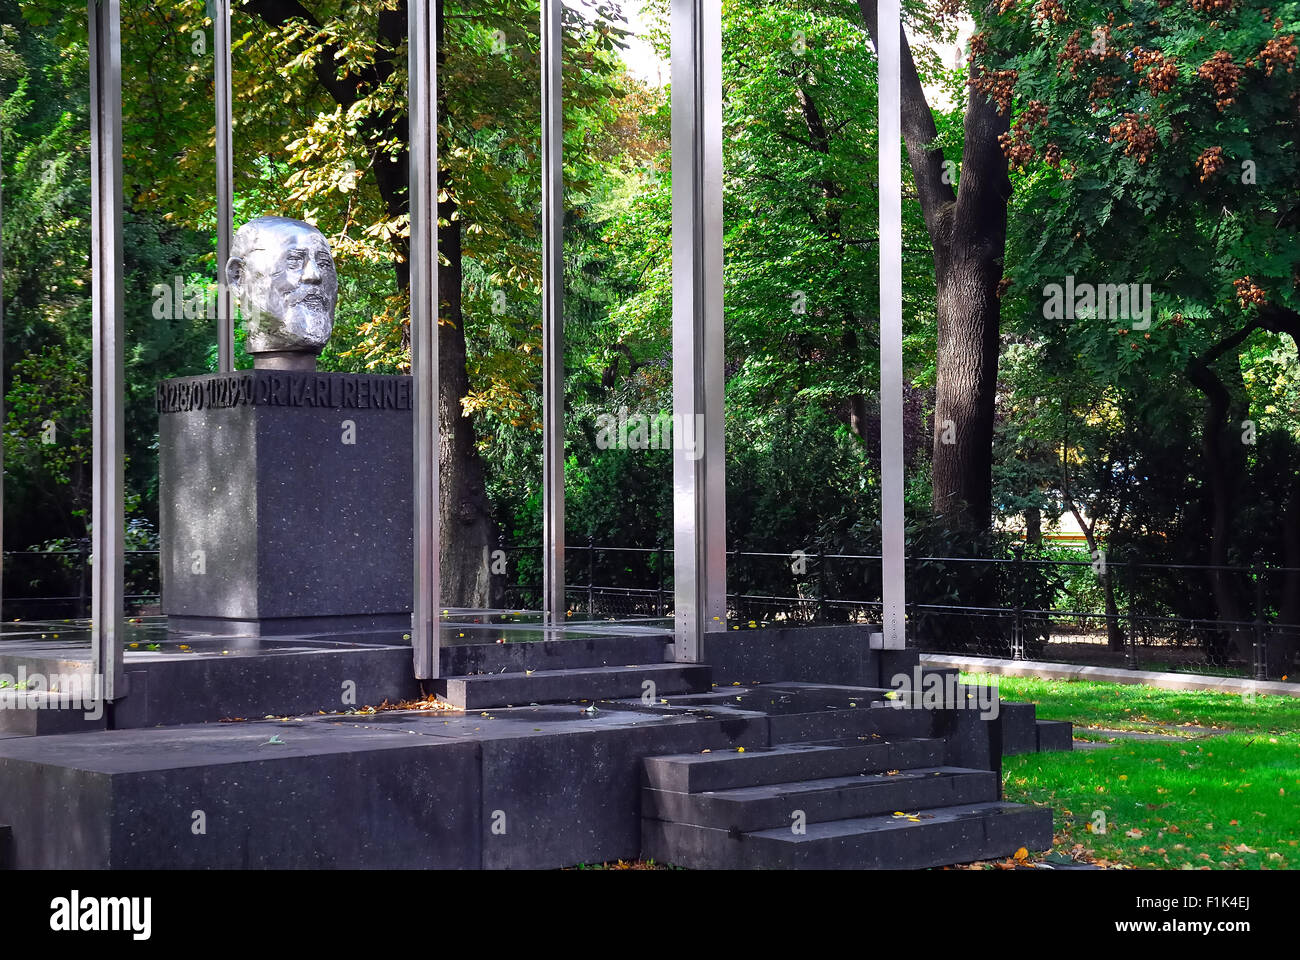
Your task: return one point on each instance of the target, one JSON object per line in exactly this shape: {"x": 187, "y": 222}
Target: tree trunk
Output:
{"x": 965, "y": 388}
{"x": 1224, "y": 461}
{"x": 1114, "y": 633}
{"x": 1033, "y": 526}
{"x": 468, "y": 530}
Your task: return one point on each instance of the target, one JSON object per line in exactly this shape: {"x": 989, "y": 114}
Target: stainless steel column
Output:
{"x": 552, "y": 39}
{"x": 225, "y": 182}
{"x": 2, "y": 369}
{"x": 423, "y": 93}
{"x": 107, "y": 514}
{"x": 893, "y": 545}
{"x": 699, "y": 487}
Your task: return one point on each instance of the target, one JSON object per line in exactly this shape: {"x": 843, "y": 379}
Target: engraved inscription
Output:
{"x": 283, "y": 389}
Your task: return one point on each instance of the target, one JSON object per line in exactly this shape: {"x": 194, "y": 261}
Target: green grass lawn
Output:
{"x": 1227, "y": 800}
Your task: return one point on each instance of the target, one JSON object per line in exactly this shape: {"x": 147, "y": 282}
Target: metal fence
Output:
{"x": 56, "y": 584}
{"x": 1126, "y": 614}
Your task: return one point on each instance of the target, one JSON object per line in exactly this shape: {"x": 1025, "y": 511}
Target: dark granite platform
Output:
{"x": 330, "y": 784}
{"x": 187, "y": 677}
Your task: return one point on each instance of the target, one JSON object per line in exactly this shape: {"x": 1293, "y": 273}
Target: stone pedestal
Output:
{"x": 285, "y": 502}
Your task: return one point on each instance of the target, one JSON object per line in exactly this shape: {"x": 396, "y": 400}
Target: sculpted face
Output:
{"x": 281, "y": 273}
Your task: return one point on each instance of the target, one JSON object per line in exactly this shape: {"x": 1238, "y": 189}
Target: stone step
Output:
{"x": 725, "y": 770}
{"x": 1018, "y": 728}
{"x": 880, "y": 718}
{"x": 943, "y": 836}
{"x": 1055, "y": 735}
{"x": 770, "y": 806}
{"x": 471, "y": 659}
{"x": 484, "y": 691}
{"x": 31, "y": 713}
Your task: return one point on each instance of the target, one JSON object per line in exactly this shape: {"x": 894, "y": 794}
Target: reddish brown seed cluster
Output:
{"x": 1139, "y": 139}
{"x": 1211, "y": 6}
{"x": 1016, "y": 145}
{"x": 1005, "y": 6}
{"x": 1223, "y": 74}
{"x": 1209, "y": 162}
{"x": 1279, "y": 52}
{"x": 1073, "y": 53}
{"x": 1049, "y": 11}
{"x": 1003, "y": 286}
{"x": 1161, "y": 78}
{"x": 949, "y": 9}
{"x": 1161, "y": 71}
{"x": 979, "y": 45}
{"x": 998, "y": 85}
{"x": 1052, "y": 154}
{"x": 1103, "y": 88}
{"x": 1018, "y": 152}
{"x": 1249, "y": 293}
{"x": 1034, "y": 115}
{"x": 1143, "y": 59}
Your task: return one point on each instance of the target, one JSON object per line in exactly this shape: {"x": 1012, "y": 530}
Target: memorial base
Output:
{"x": 285, "y": 502}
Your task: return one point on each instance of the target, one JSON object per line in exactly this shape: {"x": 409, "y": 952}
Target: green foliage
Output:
{"x": 45, "y": 131}
{"x": 1154, "y": 143}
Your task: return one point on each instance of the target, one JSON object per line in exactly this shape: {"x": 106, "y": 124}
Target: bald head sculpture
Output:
{"x": 281, "y": 273}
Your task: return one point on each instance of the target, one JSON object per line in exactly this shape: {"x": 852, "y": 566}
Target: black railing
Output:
{"x": 55, "y": 584}
{"x": 1130, "y": 614}
{"x": 1127, "y": 614}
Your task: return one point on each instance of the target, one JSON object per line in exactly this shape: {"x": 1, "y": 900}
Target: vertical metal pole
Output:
{"x": 699, "y": 462}
{"x": 225, "y": 183}
{"x": 423, "y": 92}
{"x": 1261, "y": 642}
{"x": 591, "y": 578}
{"x": 84, "y": 608}
{"x": 1018, "y": 624}
{"x": 1132, "y": 654}
{"x": 552, "y": 40}
{"x": 820, "y": 613}
{"x": 659, "y": 563}
{"x": 2, "y": 374}
{"x": 893, "y": 546}
{"x": 107, "y": 513}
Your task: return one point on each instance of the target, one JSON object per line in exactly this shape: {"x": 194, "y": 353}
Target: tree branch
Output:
{"x": 919, "y": 130}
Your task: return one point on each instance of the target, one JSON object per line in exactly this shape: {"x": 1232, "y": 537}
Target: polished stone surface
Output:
{"x": 285, "y": 502}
